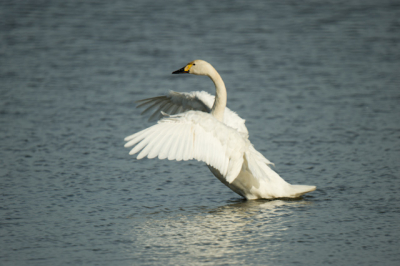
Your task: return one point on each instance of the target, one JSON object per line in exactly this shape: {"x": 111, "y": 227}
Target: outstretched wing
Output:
{"x": 179, "y": 102}
{"x": 192, "y": 135}
{"x": 175, "y": 103}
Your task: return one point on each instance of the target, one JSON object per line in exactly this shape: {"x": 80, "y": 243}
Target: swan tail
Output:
{"x": 299, "y": 190}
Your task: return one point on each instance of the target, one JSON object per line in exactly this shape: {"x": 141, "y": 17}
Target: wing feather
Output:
{"x": 192, "y": 135}
{"x": 133, "y": 139}
{"x": 259, "y": 166}
{"x": 156, "y": 136}
{"x": 159, "y": 144}
{"x": 157, "y": 113}
{"x": 175, "y": 143}
{"x": 174, "y": 109}
{"x": 148, "y": 100}
{"x": 144, "y": 142}
{"x": 168, "y": 108}
{"x": 165, "y": 149}
{"x": 189, "y": 147}
{"x": 154, "y": 104}
{"x": 182, "y": 143}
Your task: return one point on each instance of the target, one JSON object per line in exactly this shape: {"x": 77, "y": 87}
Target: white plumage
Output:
{"x": 199, "y": 126}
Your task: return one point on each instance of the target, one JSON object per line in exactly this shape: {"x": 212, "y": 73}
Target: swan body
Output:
{"x": 199, "y": 126}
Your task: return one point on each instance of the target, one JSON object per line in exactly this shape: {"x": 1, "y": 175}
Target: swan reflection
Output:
{"x": 219, "y": 233}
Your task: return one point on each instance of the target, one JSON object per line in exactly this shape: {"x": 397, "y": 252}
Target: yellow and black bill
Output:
{"x": 183, "y": 70}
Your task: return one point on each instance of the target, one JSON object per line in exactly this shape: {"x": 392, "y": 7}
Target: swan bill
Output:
{"x": 184, "y": 69}
{"x": 181, "y": 71}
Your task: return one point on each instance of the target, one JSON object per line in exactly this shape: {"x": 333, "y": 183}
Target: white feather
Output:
{"x": 159, "y": 143}
{"x": 145, "y": 151}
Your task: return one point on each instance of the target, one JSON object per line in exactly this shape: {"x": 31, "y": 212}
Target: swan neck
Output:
{"x": 218, "y": 108}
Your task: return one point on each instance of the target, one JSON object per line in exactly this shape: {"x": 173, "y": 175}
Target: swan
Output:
{"x": 198, "y": 126}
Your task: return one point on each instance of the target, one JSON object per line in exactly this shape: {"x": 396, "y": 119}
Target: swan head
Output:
{"x": 196, "y": 67}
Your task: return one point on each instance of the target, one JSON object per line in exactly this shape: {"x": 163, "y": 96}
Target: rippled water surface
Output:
{"x": 317, "y": 82}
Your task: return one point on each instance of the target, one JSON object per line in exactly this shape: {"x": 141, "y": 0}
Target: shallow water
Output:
{"x": 318, "y": 85}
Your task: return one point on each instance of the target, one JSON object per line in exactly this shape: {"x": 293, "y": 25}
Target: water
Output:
{"x": 317, "y": 82}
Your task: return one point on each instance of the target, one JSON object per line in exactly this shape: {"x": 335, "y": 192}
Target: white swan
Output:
{"x": 199, "y": 127}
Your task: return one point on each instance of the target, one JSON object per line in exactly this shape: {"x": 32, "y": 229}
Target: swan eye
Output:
{"x": 194, "y": 64}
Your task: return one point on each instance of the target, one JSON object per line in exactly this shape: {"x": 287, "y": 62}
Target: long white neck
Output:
{"x": 218, "y": 108}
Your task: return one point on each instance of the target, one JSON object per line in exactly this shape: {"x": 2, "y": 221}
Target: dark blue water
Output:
{"x": 317, "y": 82}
